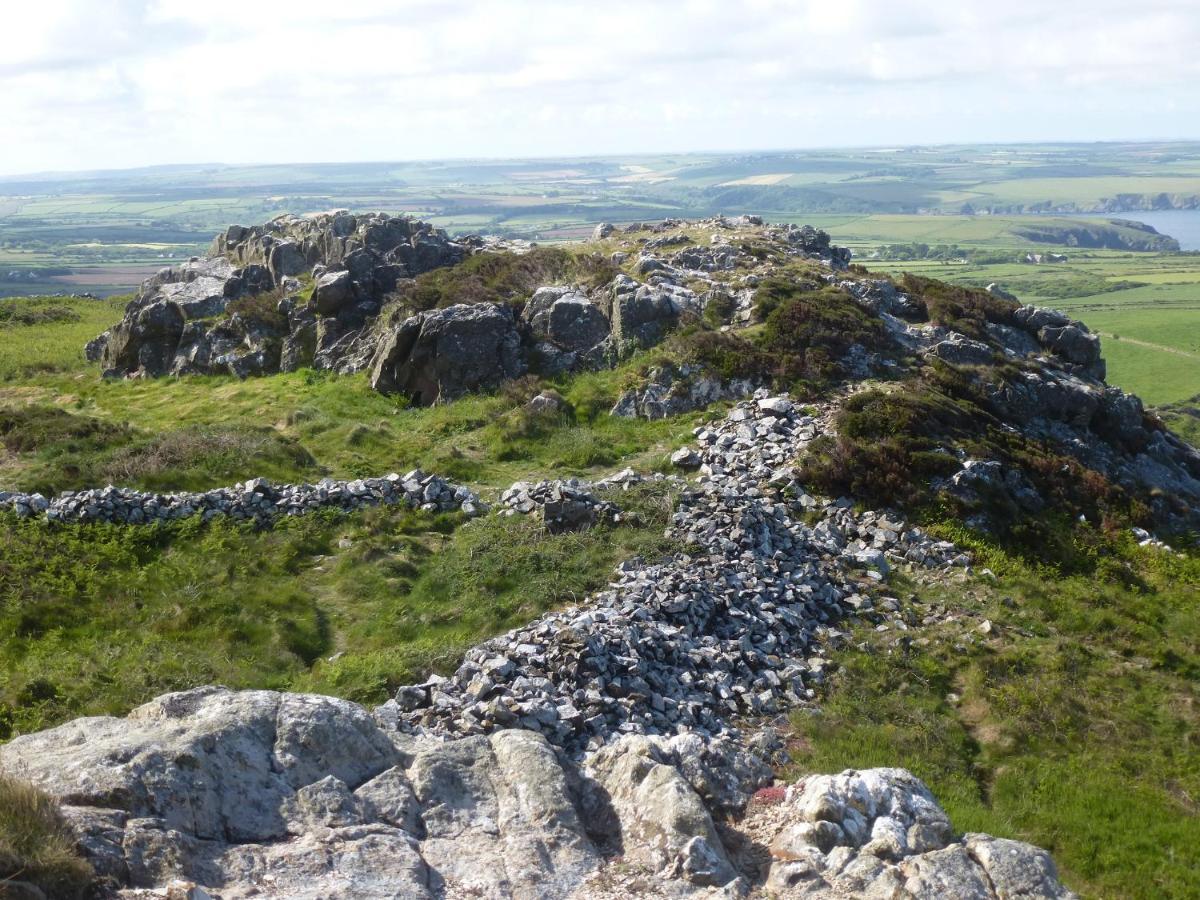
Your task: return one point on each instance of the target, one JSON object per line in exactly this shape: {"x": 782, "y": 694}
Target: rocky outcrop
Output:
{"x": 256, "y": 500}
{"x": 568, "y": 331}
{"x": 671, "y": 390}
{"x": 181, "y": 322}
{"x": 444, "y": 353}
{"x": 258, "y": 793}
{"x": 177, "y": 323}
{"x": 881, "y": 833}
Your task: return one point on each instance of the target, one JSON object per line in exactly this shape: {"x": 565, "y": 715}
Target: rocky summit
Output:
{"x": 626, "y": 744}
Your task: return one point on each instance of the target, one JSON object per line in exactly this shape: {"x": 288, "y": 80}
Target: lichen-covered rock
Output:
{"x": 230, "y": 795}
{"x": 880, "y": 833}
{"x": 662, "y": 821}
{"x": 444, "y": 353}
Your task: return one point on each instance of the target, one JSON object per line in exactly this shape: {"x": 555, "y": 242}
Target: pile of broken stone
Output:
{"x": 256, "y": 500}
{"x": 730, "y": 627}
{"x": 563, "y": 505}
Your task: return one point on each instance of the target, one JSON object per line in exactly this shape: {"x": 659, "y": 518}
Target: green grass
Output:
{"x": 37, "y": 847}
{"x": 98, "y": 619}
{"x": 33, "y": 342}
{"x": 1075, "y": 725}
{"x": 201, "y": 432}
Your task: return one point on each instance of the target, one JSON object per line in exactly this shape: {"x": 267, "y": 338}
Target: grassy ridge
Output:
{"x": 1074, "y": 723}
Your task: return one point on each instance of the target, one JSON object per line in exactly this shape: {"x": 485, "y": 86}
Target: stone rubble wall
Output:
{"x": 728, "y": 628}
{"x": 256, "y": 500}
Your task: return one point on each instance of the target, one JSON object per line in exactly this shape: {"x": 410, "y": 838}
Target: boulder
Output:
{"x": 250, "y": 280}
{"x": 299, "y": 347}
{"x": 662, "y": 821}
{"x": 1034, "y": 318}
{"x": 442, "y": 354}
{"x": 215, "y": 764}
{"x": 1075, "y": 344}
{"x": 641, "y": 315}
{"x": 566, "y": 318}
{"x": 145, "y": 342}
{"x": 880, "y": 833}
{"x": 962, "y": 351}
{"x": 332, "y": 292}
{"x": 500, "y": 817}
{"x": 286, "y": 259}
{"x": 997, "y": 291}
{"x": 201, "y": 298}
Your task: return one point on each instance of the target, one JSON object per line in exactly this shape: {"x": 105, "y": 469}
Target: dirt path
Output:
{"x": 1150, "y": 346}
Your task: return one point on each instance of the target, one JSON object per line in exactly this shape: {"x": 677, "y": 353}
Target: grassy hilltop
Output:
{"x": 1059, "y": 705}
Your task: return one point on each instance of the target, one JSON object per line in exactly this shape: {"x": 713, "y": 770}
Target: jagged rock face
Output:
{"x": 311, "y": 797}
{"x": 356, "y": 261}
{"x": 445, "y": 353}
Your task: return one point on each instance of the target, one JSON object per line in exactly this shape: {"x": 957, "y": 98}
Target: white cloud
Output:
{"x": 89, "y": 84}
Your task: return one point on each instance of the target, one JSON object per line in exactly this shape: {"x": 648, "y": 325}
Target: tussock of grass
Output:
{"x": 36, "y": 845}
{"x": 31, "y": 311}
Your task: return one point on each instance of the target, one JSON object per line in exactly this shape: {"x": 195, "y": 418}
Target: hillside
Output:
{"x": 565, "y": 571}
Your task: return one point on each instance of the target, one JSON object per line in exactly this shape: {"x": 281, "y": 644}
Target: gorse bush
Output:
{"x": 37, "y": 846}
{"x": 892, "y": 446}
{"x": 807, "y": 332}
{"x": 964, "y": 309}
{"x": 206, "y": 454}
{"x": 723, "y": 353}
{"x": 259, "y": 309}
{"x": 14, "y": 313}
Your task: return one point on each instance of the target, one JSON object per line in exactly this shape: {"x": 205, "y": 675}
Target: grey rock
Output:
{"x": 445, "y": 353}
{"x": 332, "y": 292}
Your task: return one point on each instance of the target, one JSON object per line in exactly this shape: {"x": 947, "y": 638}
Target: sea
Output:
{"x": 1181, "y": 224}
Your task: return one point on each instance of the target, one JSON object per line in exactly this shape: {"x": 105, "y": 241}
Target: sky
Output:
{"x": 95, "y": 84}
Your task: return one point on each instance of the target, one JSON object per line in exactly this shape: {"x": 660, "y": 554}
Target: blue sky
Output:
{"x": 119, "y": 83}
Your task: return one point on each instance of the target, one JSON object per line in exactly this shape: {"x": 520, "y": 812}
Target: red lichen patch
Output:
{"x": 769, "y": 796}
